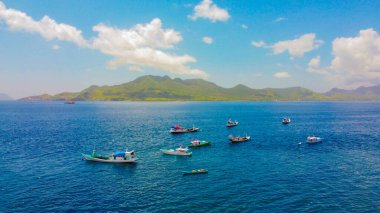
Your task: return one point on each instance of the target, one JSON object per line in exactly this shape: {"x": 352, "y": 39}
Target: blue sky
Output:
{"x": 51, "y": 46}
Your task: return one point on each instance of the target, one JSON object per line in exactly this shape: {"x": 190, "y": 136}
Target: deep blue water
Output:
{"x": 41, "y": 167}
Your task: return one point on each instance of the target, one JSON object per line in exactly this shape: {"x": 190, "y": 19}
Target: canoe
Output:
{"x": 195, "y": 172}
{"x": 174, "y": 152}
{"x": 202, "y": 143}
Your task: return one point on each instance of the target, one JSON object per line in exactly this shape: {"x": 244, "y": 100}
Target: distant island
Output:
{"x": 5, "y": 97}
{"x": 156, "y": 88}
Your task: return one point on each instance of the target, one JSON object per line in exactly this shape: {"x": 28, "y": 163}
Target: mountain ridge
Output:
{"x": 164, "y": 88}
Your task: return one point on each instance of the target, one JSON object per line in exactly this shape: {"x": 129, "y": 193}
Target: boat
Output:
{"x": 179, "y": 151}
{"x": 237, "y": 139}
{"x": 178, "y": 129}
{"x": 286, "y": 120}
{"x": 116, "y": 157}
{"x": 198, "y": 143}
{"x": 69, "y": 102}
{"x": 231, "y": 123}
{"x": 313, "y": 140}
{"x": 195, "y": 172}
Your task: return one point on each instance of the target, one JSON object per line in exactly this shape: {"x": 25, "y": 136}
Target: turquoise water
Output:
{"x": 42, "y": 170}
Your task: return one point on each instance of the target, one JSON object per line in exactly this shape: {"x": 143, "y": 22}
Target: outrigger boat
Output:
{"x": 69, "y": 102}
{"x": 198, "y": 143}
{"x": 179, "y": 151}
{"x": 116, "y": 157}
{"x": 232, "y": 123}
{"x": 313, "y": 140}
{"x": 195, "y": 172}
{"x": 286, "y": 120}
{"x": 237, "y": 139}
{"x": 178, "y": 129}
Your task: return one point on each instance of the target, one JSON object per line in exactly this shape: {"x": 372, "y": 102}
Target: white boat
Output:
{"x": 116, "y": 157}
{"x": 313, "y": 139}
{"x": 179, "y": 151}
{"x": 231, "y": 123}
{"x": 286, "y": 120}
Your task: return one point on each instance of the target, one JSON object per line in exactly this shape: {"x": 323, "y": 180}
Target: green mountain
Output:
{"x": 156, "y": 88}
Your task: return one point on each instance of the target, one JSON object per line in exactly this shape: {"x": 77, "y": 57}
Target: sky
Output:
{"x": 52, "y": 46}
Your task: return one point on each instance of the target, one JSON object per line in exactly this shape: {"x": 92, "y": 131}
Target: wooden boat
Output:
{"x": 178, "y": 129}
{"x": 231, "y": 123}
{"x": 286, "y": 120}
{"x": 69, "y": 102}
{"x": 198, "y": 143}
{"x": 179, "y": 151}
{"x": 314, "y": 140}
{"x": 116, "y": 157}
{"x": 238, "y": 139}
{"x": 195, "y": 172}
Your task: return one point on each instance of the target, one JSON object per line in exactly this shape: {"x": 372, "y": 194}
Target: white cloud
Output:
{"x": 280, "y": 19}
{"x": 143, "y": 45}
{"x": 55, "y": 47}
{"x": 244, "y": 26}
{"x": 281, "y": 75}
{"x": 298, "y": 46}
{"x": 315, "y": 66}
{"x": 356, "y": 60}
{"x": 208, "y": 10}
{"x": 208, "y": 40}
{"x": 46, "y": 27}
{"x": 135, "y": 68}
{"x": 258, "y": 43}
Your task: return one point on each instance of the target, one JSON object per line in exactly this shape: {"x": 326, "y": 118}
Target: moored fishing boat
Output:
{"x": 231, "y": 123}
{"x": 69, "y": 102}
{"x": 238, "y": 139}
{"x": 198, "y": 143}
{"x": 195, "y": 172}
{"x": 286, "y": 120}
{"x": 313, "y": 140}
{"x": 116, "y": 157}
{"x": 179, "y": 151}
{"x": 178, "y": 129}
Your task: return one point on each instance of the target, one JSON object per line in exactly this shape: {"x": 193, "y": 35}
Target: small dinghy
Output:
{"x": 195, "y": 172}
{"x": 198, "y": 143}
{"x": 179, "y": 151}
{"x": 314, "y": 140}
{"x": 116, "y": 157}
{"x": 178, "y": 129}
{"x": 231, "y": 123}
{"x": 238, "y": 139}
{"x": 286, "y": 120}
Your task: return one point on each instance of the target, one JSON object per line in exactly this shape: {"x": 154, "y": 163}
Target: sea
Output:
{"x": 42, "y": 169}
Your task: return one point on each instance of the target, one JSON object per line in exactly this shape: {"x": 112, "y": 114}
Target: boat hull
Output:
{"x": 241, "y": 140}
{"x": 173, "y": 152}
{"x": 200, "y": 145}
{"x": 194, "y": 173}
{"x": 90, "y": 158}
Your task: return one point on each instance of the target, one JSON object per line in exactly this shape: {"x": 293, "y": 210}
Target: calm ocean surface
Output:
{"x": 42, "y": 169}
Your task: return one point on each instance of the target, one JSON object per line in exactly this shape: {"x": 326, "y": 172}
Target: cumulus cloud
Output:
{"x": 208, "y": 10}
{"x": 281, "y": 75}
{"x": 280, "y": 19}
{"x": 356, "y": 60}
{"x": 135, "y": 68}
{"x": 144, "y": 45}
{"x": 258, "y": 43}
{"x": 46, "y": 27}
{"x": 298, "y": 46}
{"x": 244, "y": 26}
{"x": 207, "y": 40}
